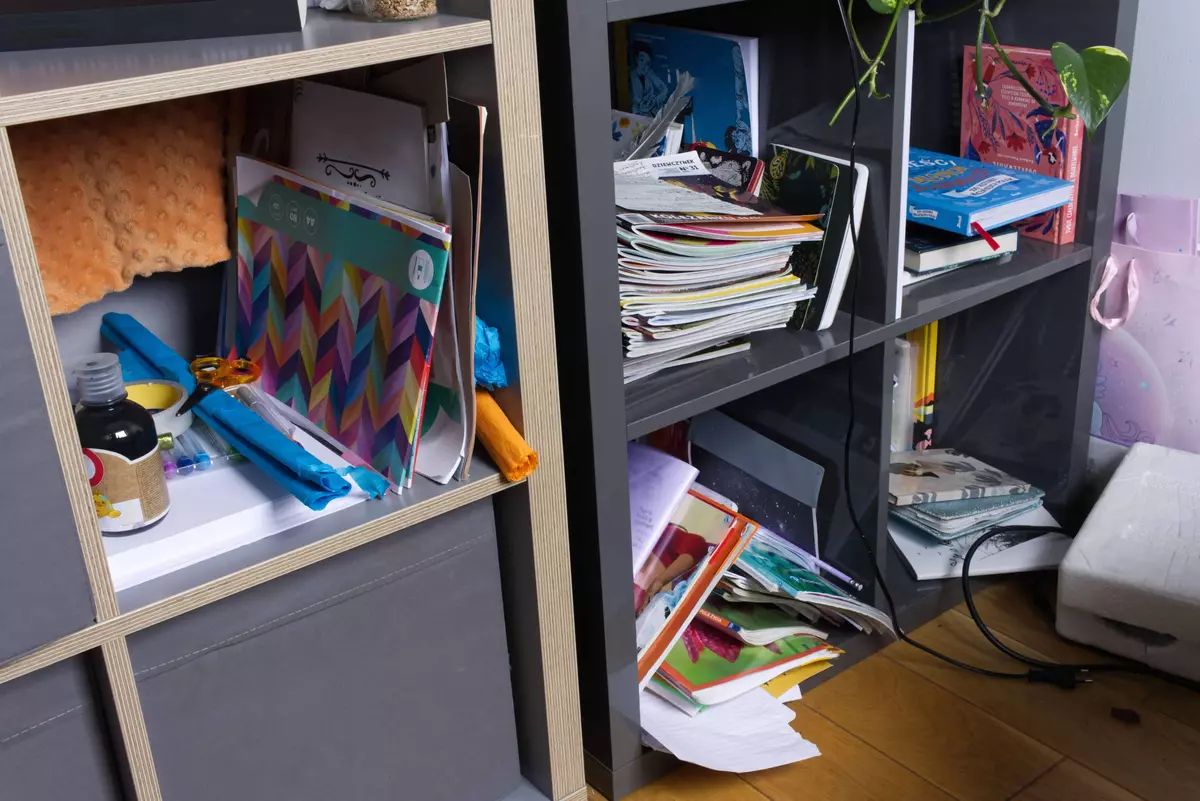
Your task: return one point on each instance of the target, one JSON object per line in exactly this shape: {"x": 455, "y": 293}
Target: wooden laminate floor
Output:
{"x": 902, "y": 726}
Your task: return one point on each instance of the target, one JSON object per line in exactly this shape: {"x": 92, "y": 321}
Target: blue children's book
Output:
{"x": 957, "y": 194}
{"x": 723, "y": 112}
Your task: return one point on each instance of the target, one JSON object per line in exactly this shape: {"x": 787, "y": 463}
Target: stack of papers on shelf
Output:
{"x": 702, "y": 263}
{"x": 943, "y": 501}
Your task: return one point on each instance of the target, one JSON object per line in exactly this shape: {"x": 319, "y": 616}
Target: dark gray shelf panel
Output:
{"x": 774, "y": 356}
{"x": 632, "y": 9}
{"x": 961, "y": 289}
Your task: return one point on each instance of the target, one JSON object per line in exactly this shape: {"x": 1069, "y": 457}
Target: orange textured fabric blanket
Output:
{"x": 123, "y": 193}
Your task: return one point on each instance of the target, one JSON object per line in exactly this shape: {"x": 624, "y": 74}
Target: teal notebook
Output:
{"x": 949, "y": 520}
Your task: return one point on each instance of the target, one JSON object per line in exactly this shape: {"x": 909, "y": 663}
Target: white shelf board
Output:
{"x": 323, "y": 536}
{"x": 43, "y": 84}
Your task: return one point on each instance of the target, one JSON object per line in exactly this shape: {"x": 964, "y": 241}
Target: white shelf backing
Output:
{"x": 43, "y": 84}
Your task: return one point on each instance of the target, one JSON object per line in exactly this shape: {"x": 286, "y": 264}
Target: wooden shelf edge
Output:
{"x": 89, "y": 98}
{"x": 122, "y": 625}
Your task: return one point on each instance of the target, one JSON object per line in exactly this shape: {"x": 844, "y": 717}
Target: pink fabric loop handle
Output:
{"x": 1131, "y": 228}
{"x": 1132, "y": 292}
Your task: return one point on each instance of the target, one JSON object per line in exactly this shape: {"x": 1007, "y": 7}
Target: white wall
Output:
{"x": 1162, "y": 130}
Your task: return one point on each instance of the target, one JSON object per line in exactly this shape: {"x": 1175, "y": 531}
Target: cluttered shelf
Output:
{"x": 44, "y": 84}
{"x": 670, "y": 396}
{"x": 632, "y": 9}
{"x": 961, "y": 289}
{"x": 308, "y": 541}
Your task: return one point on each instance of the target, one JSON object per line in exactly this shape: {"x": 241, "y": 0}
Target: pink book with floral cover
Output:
{"x": 1009, "y": 128}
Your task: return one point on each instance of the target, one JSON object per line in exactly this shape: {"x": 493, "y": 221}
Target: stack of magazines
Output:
{"x": 731, "y": 618}
{"x": 702, "y": 263}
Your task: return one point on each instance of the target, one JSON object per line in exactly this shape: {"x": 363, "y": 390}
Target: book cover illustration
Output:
{"x": 696, "y": 528}
{"x": 1010, "y": 128}
{"x": 737, "y": 169}
{"x": 699, "y": 543}
{"x": 754, "y": 624}
{"x": 795, "y": 181}
{"x": 706, "y": 657}
{"x": 946, "y": 475}
{"x": 944, "y": 191}
{"x": 718, "y": 115}
{"x": 337, "y": 303}
{"x": 628, "y": 127}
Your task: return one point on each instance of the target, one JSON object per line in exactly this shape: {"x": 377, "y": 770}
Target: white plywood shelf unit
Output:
{"x": 44, "y": 84}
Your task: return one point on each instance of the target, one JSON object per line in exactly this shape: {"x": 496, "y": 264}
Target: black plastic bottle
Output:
{"x": 120, "y": 448}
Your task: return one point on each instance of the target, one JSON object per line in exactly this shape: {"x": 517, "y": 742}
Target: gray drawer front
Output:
{"x": 382, "y": 673}
{"x": 44, "y": 591}
{"x": 54, "y": 742}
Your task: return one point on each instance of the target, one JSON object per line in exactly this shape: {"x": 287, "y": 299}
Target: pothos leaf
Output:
{"x": 883, "y": 6}
{"x": 1093, "y": 79}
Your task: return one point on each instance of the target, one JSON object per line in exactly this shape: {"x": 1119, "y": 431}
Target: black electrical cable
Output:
{"x": 856, "y": 269}
{"x": 1066, "y": 676}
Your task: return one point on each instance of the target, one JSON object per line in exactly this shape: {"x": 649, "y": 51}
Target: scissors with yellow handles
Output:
{"x": 213, "y": 372}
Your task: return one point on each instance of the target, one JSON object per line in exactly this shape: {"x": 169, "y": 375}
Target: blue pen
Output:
{"x": 184, "y": 457}
{"x": 201, "y": 457}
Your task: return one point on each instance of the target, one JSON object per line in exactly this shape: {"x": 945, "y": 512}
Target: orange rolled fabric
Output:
{"x": 504, "y": 443}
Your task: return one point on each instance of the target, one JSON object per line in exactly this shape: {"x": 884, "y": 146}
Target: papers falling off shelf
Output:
{"x": 751, "y": 732}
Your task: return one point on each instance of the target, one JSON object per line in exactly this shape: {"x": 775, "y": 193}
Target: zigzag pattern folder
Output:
{"x": 337, "y": 303}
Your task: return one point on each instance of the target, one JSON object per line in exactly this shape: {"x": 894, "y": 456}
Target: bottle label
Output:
{"x": 129, "y": 494}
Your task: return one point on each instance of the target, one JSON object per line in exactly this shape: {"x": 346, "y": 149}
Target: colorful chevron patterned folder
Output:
{"x": 337, "y": 302}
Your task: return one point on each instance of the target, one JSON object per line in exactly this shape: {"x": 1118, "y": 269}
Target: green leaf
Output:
{"x": 1094, "y": 80}
{"x": 883, "y": 6}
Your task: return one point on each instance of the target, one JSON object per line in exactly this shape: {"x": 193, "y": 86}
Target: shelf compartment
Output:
{"x": 44, "y": 84}
{"x": 774, "y": 356}
{"x": 970, "y": 286}
{"x": 311, "y": 688}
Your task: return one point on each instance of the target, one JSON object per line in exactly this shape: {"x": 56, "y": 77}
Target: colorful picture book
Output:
{"x": 698, "y": 544}
{"x": 709, "y": 666}
{"x": 337, "y": 302}
{"x": 658, "y": 483}
{"x": 754, "y": 624}
{"x": 737, "y": 169}
{"x": 963, "y": 195}
{"x": 626, "y": 128}
{"x": 919, "y": 477}
{"x": 722, "y": 113}
{"x": 1011, "y": 129}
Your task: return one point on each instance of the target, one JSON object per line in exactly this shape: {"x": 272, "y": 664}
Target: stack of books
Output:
{"x": 702, "y": 263}
{"x": 731, "y": 617}
{"x": 942, "y": 501}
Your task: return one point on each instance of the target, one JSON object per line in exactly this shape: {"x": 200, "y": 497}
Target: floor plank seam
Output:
{"x": 884, "y": 754}
{"x": 1039, "y": 777}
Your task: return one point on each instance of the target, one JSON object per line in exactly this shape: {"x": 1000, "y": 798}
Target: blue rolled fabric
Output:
{"x": 489, "y": 367}
{"x": 298, "y": 471}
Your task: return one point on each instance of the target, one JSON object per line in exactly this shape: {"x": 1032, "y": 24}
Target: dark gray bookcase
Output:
{"x": 1017, "y": 351}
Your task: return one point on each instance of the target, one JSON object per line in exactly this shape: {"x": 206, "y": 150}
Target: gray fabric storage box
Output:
{"x": 44, "y": 590}
{"x": 382, "y": 673}
{"x": 54, "y": 739}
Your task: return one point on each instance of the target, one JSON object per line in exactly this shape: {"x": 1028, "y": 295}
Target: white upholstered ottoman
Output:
{"x": 1130, "y": 583}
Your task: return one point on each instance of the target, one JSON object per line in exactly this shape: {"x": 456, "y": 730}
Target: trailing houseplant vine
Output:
{"x": 1093, "y": 78}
